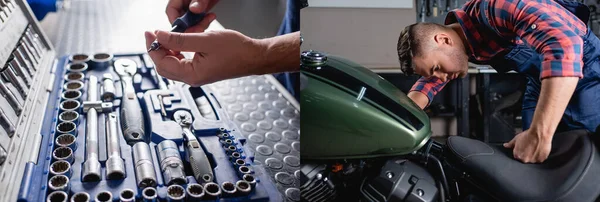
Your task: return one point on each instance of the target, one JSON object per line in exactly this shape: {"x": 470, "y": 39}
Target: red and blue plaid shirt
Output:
{"x": 544, "y": 25}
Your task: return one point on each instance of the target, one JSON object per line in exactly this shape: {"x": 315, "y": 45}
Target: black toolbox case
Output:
{"x": 253, "y": 114}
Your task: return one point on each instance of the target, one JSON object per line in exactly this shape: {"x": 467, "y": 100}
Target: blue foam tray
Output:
{"x": 34, "y": 185}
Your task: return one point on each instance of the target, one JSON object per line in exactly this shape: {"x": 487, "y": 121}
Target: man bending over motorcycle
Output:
{"x": 546, "y": 40}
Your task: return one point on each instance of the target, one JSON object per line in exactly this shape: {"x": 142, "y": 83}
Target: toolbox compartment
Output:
{"x": 31, "y": 163}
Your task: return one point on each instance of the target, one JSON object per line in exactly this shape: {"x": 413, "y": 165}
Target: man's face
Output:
{"x": 446, "y": 63}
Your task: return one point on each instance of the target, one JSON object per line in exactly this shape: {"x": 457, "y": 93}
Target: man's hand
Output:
{"x": 530, "y": 147}
{"x": 176, "y": 8}
{"x": 221, "y": 55}
{"x": 218, "y": 55}
{"x": 533, "y": 145}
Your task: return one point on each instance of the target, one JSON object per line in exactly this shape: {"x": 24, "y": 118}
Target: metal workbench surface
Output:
{"x": 260, "y": 108}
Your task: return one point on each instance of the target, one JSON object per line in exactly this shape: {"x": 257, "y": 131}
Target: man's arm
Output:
{"x": 281, "y": 54}
{"x": 554, "y": 33}
{"x": 423, "y": 91}
{"x": 419, "y": 98}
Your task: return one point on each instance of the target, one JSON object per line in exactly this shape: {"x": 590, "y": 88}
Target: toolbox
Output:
{"x": 106, "y": 127}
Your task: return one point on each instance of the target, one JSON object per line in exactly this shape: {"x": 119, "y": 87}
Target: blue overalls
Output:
{"x": 583, "y": 111}
{"x": 291, "y": 23}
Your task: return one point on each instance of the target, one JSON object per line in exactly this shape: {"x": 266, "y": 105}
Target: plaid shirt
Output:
{"x": 543, "y": 25}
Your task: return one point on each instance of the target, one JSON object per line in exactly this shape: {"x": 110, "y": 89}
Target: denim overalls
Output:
{"x": 291, "y": 23}
{"x": 583, "y": 111}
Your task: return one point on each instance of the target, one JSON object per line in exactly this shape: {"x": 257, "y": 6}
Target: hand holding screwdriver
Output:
{"x": 181, "y": 24}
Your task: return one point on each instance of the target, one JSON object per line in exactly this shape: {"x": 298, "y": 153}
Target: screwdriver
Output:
{"x": 180, "y": 25}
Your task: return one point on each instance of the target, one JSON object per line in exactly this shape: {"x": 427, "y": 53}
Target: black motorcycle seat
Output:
{"x": 570, "y": 173}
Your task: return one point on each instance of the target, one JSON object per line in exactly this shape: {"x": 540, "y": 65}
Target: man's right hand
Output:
{"x": 176, "y": 8}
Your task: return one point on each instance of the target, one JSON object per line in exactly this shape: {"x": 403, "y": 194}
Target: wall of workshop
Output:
{"x": 369, "y": 37}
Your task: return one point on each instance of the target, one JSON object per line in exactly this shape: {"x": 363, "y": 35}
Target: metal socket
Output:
{"x": 57, "y": 196}
{"x": 71, "y": 95}
{"x": 108, "y": 88}
{"x": 171, "y": 164}
{"x": 244, "y": 170}
{"x": 225, "y": 136}
{"x": 70, "y": 105}
{"x": 74, "y": 76}
{"x": 73, "y": 85}
{"x": 211, "y": 190}
{"x": 59, "y": 183}
{"x": 127, "y": 195}
{"x": 69, "y": 116}
{"x": 243, "y": 187}
{"x": 80, "y": 197}
{"x": 228, "y": 188}
{"x": 101, "y": 61}
{"x": 79, "y": 58}
{"x": 236, "y": 155}
{"x": 77, "y": 67}
{"x": 144, "y": 168}
{"x": 63, "y": 153}
{"x": 232, "y": 148}
{"x": 175, "y": 193}
{"x": 149, "y": 194}
{"x": 67, "y": 140}
{"x": 250, "y": 179}
{"x": 104, "y": 196}
{"x": 194, "y": 192}
{"x": 228, "y": 142}
{"x": 61, "y": 168}
{"x": 240, "y": 162}
{"x": 67, "y": 127}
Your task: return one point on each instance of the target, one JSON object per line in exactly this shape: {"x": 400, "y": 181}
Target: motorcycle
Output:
{"x": 365, "y": 140}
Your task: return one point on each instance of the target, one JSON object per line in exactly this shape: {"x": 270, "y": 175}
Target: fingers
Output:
{"x": 198, "y": 6}
{"x": 192, "y": 42}
{"x": 510, "y": 144}
{"x": 163, "y": 58}
{"x": 175, "y": 9}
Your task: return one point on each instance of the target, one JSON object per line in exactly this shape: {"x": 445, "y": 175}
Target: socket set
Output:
{"x": 106, "y": 127}
{"x": 109, "y": 140}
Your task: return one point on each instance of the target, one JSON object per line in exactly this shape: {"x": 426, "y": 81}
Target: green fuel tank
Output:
{"x": 350, "y": 112}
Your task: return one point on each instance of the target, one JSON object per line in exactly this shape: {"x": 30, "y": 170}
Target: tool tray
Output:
{"x": 254, "y": 114}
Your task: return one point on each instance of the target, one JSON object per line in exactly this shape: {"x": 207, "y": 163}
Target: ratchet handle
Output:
{"x": 187, "y": 20}
{"x": 198, "y": 161}
{"x": 132, "y": 122}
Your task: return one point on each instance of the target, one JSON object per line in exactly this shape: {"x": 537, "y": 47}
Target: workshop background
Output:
{"x": 485, "y": 105}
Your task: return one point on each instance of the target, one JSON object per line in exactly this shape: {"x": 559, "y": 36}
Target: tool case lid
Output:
{"x": 28, "y": 60}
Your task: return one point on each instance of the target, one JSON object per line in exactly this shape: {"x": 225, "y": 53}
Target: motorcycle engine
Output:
{"x": 386, "y": 180}
{"x": 400, "y": 180}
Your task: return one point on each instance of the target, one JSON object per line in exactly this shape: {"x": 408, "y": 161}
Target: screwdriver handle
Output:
{"x": 187, "y": 20}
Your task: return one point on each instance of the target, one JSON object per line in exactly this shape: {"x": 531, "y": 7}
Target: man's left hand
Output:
{"x": 530, "y": 147}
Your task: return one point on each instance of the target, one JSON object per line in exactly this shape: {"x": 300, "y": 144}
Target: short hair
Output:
{"x": 413, "y": 42}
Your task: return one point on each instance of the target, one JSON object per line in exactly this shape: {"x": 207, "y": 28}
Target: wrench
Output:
{"x": 10, "y": 75}
{"x": 132, "y": 122}
{"x": 194, "y": 152}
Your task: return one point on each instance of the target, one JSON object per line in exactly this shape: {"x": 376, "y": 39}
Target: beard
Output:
{"x": 461, "y": 61}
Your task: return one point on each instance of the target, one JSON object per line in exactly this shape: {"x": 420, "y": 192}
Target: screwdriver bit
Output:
{"x": 180, "y": 25}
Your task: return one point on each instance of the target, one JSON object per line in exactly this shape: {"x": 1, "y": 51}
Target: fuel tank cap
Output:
{"x": 313, "y": 57}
